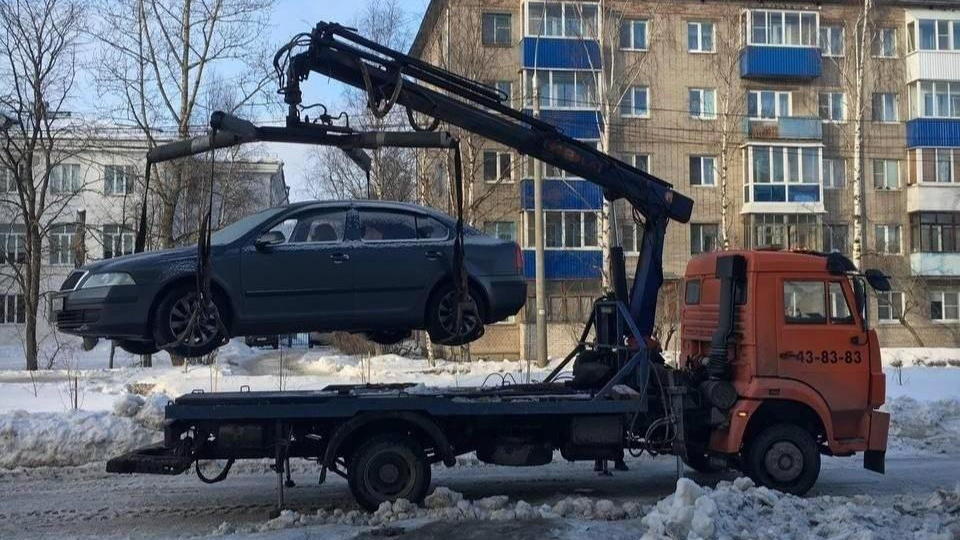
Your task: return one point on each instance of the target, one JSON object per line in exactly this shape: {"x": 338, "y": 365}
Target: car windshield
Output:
{"x": 239, "y": 228}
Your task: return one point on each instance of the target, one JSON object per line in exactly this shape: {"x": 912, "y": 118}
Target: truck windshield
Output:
{"x": 237, "y": 229}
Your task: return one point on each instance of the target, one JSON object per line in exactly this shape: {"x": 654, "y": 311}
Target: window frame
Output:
{"x": 886, "y": 236}
{"x": 831, "y": 40}
{"x": 551, "y": 101}
{"x": 633, "y": 38}
{"x": 632, "y": 93}
{"x": 582, "y": 34}
{"x": 829, "y": 231}
{"x": 497, "y": 225}
{"x": 777, "y": 94}
{"x": 874, "y": 46}
{"x": 128, "y": 177}
{"x": 19, "y": 311}
{"x": 943, "y": 319}
{"x": 789, "y": 182}
{"x": 61, "y": 236}
{"x": 813, "y": 34}
{"x": 699, "y": 25}
{"x": 885, "y": 170}
{"x": 122, "y": 234}
{"x": 702, "y": 102}
{"x": 830, "y": 107}
{"x": 700, "y": 237}
{"x": 702, "y": 159}
{"x": 528, "y": 238}
{"x": 881, "y": 119}
{"x": 496, "y": 16}
{"x": 56, "y": 184}
{"x": 896, "y": 309}
{"x": 499, "y": 177}
{"x": 832, "y": 162}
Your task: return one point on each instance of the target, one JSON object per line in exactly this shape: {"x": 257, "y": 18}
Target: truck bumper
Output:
{"x": 874, "y": 457}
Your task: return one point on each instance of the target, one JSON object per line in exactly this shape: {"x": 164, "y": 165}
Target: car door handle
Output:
{"x": 338, "y": 258}
{"x": 434, "y": 254}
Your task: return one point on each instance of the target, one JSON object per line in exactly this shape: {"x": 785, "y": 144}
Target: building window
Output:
{"x": 783, "y": 174}
{"x": 703, "y": 103}
{"x": 831, "y": 40}
{"x": 887, "y": 239}
{"x": 944, "y": 306}
{"x": 703, "y": 171}
{"x": 117, "y": 240}
{"x": 703, "y": 237}
{"x": 8, "y": 180}
{"x": 836, "y": 238}
{"x": 65, "y": 178}
{"x": 562, "y": 89}
{"x": 791, "y": 28}
{"x": 885, "y": 43}
{"x": 118, "y": 179}
{"x": 934, "y": 35}
{"x": 633, "y": 35}
{"x": 889, "y": 306}
{"x": 832, "y": 107}
{"x": 636, "y": 103}
{"x": 768, "y": 104}
{"x": 505, "y": 89}
{"x": 700, "y": 37}
{"x": 629, "y": 237}
{"x": 61, "y": 243}
{"x": 834, "y": 173}
{"x": 785, "y": 231}
{"x": 935, "y": 232}
{"x": 885, "y": 107}
{"x": 497, "y": 29}
{"x": 13, "y": 310}
{"x": 943, "y": 166}
{"x": 561, "y": 19}
{"x": 886, "y": 174}
{"x": 930, "y": 99}
{"x": 640, "y": 161}
{"x": 496, "y": 166}
{"x": 504, "y": 230}
{"x": 564, "y": 229}
{"x": 13, "y": 244}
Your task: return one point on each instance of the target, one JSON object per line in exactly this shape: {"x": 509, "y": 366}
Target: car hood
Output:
{"x": 144, "y": 260}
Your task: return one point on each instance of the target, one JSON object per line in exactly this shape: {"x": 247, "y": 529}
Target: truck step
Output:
{"x": 153, "y": 459}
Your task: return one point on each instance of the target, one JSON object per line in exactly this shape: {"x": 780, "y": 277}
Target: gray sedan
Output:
{"x": 379, "y": 268}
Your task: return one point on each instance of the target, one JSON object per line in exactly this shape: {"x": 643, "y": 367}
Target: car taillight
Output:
{"x": 518, "y": 258}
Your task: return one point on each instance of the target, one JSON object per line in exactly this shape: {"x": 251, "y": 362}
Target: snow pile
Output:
{"x": 920, "y": 356}
{"x": 742, "y": 510}
{"x": 932, "y": 426}
{"x": 79, "y": 437}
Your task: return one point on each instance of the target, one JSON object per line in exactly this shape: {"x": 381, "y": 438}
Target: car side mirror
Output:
{"x": 877, "y": 280}
{"x": 269, "y": 239}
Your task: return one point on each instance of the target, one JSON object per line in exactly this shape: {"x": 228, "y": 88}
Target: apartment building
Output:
{"x": 752, "y": 109}
{"x": 93, "y": 206}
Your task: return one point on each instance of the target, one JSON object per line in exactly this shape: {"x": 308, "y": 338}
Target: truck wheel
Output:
{"x": 442, "y": 317}
{"x": 172, "y": 319}
{"x": 138, "y": 347}
{"x": 783, "y": 457}
{"x": 386, "y": 468}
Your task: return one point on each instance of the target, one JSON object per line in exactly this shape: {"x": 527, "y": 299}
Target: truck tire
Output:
{"x": 386, "y": 468}
{"x": 441, "y": 317}
{"x": 784, "y": 457}
{"x": 173, "y": 313}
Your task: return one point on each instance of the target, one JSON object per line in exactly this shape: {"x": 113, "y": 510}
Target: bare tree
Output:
{"x": 158, "y": 58}
{"x": 38, "y": 43}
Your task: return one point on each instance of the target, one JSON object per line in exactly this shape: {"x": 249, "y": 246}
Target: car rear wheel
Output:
{"x": 386, "y": 468}
{"x": 442, "y": 317}
{"x": 182, "y": 333}
{"x": 138, "y": 347}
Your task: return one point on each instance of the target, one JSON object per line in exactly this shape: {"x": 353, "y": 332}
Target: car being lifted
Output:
{"x": 380, "y": 268}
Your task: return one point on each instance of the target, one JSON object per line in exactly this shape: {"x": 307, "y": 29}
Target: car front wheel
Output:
{"x": 182, "y": 328}
{"x": 442, "y": 317}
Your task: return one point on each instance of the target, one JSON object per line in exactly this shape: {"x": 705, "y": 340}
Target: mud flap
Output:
{"x": 875, "y": 460}
{"x": 153, "y": 459}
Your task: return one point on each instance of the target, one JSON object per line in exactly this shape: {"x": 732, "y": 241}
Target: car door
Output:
{"x": 305, "y": 282}
{"x": 822, "y": 345}
{"x": 400, "y": 257}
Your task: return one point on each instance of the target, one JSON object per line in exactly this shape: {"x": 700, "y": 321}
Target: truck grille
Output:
{"x": 72, "y": 280}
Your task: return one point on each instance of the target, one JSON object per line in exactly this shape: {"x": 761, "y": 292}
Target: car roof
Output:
{"x": 371, "y": 203}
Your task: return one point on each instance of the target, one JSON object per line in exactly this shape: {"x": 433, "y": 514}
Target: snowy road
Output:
{"x": 84, "y": 502}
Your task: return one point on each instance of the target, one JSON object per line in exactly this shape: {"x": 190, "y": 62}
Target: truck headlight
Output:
{"x": 107, "y": 279}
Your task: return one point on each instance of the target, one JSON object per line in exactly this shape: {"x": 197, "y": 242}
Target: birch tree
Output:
{"x": 38, "y": 50}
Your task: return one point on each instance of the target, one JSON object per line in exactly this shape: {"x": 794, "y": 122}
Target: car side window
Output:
{"x": 317, "y": 227}
{"x": 429, "y": 228}
{"x": 839, "y": 310}
{"x": 804, "y": 302}
{"x": 381, "y": 225}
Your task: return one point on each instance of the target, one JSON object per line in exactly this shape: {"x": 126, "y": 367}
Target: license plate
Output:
{"x": 57, "y": 303}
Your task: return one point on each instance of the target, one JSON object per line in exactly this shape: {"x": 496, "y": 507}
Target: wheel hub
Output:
{"x": 783, "y": 461}
{"x": 203, "y": 328}
{"x": 388, "y": 475}
{"x": 447, "y": 315}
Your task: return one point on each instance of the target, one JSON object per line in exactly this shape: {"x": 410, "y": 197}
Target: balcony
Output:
{"x": 562, "y": 53}
{"x": 942, "y": 132}
{"x": 935, "y": 264}
{"x": 570, "y": 194}
{"x": 579, "y": 124}
{"x": 779, "y": 62}
{"x": 933, "y": 66}
{"x": 565, "y": 263}
{"x": 784, "y": 128}
{"x": 933, "y": 197}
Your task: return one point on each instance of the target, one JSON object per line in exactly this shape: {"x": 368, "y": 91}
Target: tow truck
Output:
{"x": 777, "y": 366}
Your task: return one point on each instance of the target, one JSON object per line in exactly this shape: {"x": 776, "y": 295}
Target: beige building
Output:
{"x": 750, "y": 109}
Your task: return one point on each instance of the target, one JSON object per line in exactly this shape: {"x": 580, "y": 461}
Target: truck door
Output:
{"x": 822, "y": 345}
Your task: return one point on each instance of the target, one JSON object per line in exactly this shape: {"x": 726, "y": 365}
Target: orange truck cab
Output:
{"x": 801, "y": 356}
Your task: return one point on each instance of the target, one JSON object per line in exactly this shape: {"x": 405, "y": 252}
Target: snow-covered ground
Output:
{"x": 46, "y": 445}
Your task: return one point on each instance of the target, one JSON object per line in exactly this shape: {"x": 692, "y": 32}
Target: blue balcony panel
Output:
{"x": 563, "y": 195}
{"x": 576, "y": 124}
{"x": 562, "y": 53}
{"x": 804, "y": 194}
{"x": 933, "y": 132}
{"x": 565, "y": 264}
{"x": 765, "y": 62}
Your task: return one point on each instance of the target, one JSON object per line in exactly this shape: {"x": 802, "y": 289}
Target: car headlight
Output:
{"x": 107, "y": 279}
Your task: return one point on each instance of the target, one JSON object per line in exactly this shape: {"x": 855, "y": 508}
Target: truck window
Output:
{"x": 803, "y": 302}
{"x": 839, "y": 310}
{"x": 691, "y": 295}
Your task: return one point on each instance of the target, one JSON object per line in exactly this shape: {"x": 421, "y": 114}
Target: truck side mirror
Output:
{"x": 877, "y": 280}
{"x": 269, "y": 239}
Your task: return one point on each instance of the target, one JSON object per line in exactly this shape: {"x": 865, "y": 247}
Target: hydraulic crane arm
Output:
{"x": 391, "y": 77}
